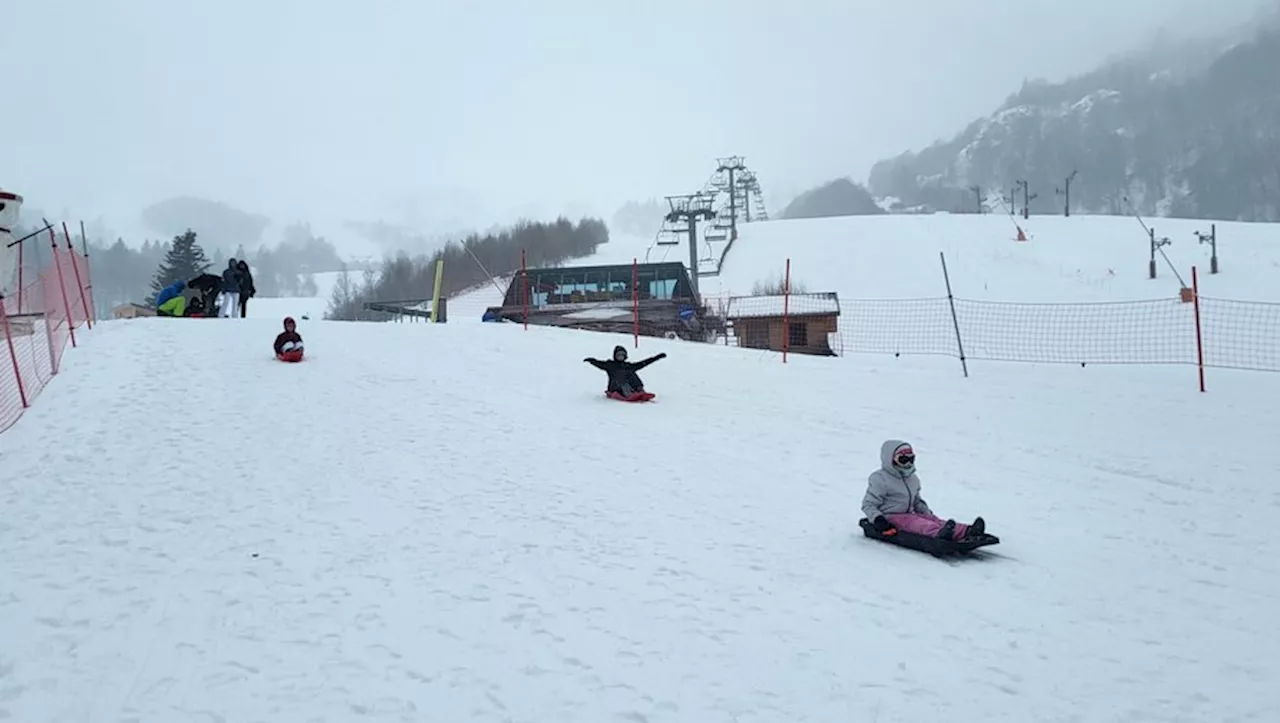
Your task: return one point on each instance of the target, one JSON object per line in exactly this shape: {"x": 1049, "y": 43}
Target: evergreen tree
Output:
{"x": 184, "y": 261}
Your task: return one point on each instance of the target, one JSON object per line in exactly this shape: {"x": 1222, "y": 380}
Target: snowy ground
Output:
{"x": 449, "y": 523}
{"x": 1082, "y": 258}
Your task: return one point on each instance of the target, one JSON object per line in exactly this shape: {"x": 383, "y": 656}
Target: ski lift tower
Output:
{"x": 688, "y": 210}
{"x": 728, "y": 180}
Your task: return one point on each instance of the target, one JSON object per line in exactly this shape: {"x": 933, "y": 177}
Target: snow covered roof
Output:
{"x": 745, "y": 307}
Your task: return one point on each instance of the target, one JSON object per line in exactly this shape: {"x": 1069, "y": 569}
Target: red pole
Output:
{"x": 71, "y": 253}
{"x": 66, "y": 304}
{"x": 13, "y": 355}
{"x": 524, "y": 281}
{"x": 635, "y": 303}
{"x": 1195, "y": 298}
{"x": 786, "y": 310}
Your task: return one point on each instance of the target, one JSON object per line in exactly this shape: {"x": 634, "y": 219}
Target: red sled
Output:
{"x": 293, "y": 355}
{"x": 635, "y": 397}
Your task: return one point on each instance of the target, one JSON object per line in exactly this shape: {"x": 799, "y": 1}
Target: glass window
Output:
{"x": 662, "y": 288}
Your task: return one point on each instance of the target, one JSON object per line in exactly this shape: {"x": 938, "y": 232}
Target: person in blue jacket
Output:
{"x": 171, "y": 301}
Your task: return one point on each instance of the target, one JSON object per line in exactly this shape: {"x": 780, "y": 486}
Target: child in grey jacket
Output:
{"x": 893, "y": 500}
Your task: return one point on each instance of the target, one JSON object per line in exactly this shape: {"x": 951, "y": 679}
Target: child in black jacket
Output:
{"x": 289, "y": 339}
{"x": 622, "y": 373}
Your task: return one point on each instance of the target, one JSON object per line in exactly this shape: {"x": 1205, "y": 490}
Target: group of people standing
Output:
{"x": 237, "y": 288}
{"x": 225, "y": 296}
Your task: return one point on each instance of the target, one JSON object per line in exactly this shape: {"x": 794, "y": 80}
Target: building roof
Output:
{"x": 761, "y": 307}
{"x": 674, "y": 267}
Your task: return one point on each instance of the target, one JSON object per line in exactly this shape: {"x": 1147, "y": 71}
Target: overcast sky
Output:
{"x": 361, "y": 109}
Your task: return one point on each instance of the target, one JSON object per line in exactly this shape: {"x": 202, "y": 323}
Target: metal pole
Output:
{"x": 1151, "y": 265}
{"x": 1213, "y": 248}
{"x": 693, "y": 256}
{"x": 84, "y": 298}
{"x": 20, "y": 280}
{"x": 955, "y": 322}
{"x": 62, "y": 284}
{"x": 88, "y": 273}
{"x": 1195, "y": 298}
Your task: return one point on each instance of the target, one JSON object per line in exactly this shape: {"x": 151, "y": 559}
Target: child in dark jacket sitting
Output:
{"x": 289, "y": 339}
{"x": 623, "y": 379}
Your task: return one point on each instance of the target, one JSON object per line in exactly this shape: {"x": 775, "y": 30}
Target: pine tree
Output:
{"x": 184, "y": 261}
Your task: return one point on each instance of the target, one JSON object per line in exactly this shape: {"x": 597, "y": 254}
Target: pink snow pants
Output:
{"x": 927, "y": 525}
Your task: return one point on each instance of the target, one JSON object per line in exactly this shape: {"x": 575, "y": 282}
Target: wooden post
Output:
{"x": 786, "y": 311}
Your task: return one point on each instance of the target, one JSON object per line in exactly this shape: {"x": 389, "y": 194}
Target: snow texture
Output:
{"x": 451, "y": 523}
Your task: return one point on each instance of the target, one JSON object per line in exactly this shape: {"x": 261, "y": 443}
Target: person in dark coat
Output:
{"x": 622, "y": 373}
{"x": 247, "y": 289}
{"x": 289, "y": 339}
{"x": 230, "y": 290}
{"x": 208, "y": 286}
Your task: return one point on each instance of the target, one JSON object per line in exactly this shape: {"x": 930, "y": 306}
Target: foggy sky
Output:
{"x": 329, "y": 110}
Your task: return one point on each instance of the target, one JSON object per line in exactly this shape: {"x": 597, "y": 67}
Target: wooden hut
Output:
{"x": 810, "y": 320}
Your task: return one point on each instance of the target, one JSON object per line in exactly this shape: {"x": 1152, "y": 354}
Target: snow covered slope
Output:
{"x": 449, "y": 523}
{"x": 1082, "y": 258}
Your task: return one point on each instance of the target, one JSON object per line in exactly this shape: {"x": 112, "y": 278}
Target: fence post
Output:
{"x": 62, "y": 284}
{"x": 88, "y": 273}
{"x": 1195, "y": 298}
{"x": 20, "y": 282}
{"x": 635, "y": 301}
{"x": 45, "y": 293}
{"x": 13, "y": 355}
{"x": 75, "y": 268}
{"x": 524, "y": 285}
{"x": 786, "y": 311}
{"x": 954, "y": 321}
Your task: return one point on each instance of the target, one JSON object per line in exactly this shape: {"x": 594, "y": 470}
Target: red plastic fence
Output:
{"x": 36, "y": 323}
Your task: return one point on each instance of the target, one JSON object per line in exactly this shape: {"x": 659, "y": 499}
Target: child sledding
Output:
{"x": 624, "y": 384}
{"x": 896, "y": 513}
{"x": 288, "y": 343}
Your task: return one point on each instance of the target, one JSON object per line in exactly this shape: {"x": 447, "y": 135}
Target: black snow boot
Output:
{"x": 977, "y": 529}
{"x": 948, "y": 530}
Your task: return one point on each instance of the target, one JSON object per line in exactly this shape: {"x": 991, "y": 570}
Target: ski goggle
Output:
{"x": 905, "y": 459}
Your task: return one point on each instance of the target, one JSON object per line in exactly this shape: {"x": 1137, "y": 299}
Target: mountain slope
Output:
{"x": 1176, "y": 132}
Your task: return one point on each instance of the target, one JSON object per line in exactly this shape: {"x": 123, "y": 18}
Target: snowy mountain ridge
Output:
{"x": 1187, "y": 141}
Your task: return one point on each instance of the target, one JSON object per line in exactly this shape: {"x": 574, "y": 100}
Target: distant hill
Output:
{"x": 841, "y": 197}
